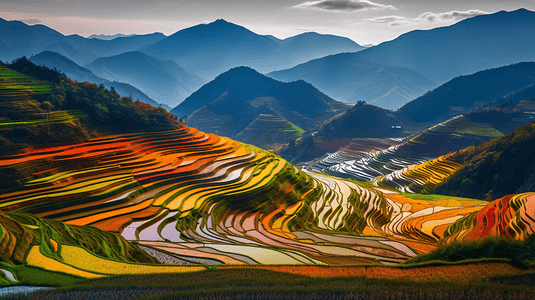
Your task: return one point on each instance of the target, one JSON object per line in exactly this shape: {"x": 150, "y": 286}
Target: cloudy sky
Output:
{"x": 364, "y": 21}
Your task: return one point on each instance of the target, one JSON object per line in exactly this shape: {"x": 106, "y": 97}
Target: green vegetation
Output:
{"x": 36, "y": 276}
{"x": 40, "y": 106}
{"x": 481, "y": 131}
{"x": 433, "y": 197}
{"x": 522, "y": 252}
{"x": 264, "y": 284}
{"x": 295, "y": 128}
{"x": 22, "y": 231}
{"x": 53, "y": 117}
{"x": 497, "y": 168}
{"x": 12, "y": 80}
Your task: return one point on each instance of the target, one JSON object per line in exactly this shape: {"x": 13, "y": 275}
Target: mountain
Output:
{"x": 210, "y": 49}
{"x": 164, "y": 81}
{"x": 205, "y": 49}
{"x": 78, "y": 73}
{"x": 350, "y": 80}
{"x": 18, "y": 39}
{"x": 502, "y": 87}
{"x": 464, "y": 93}
{"x": 105, "y": 48}
{"x": 231, "y": 102}
{"x": 108, "y": 37}
{"x": 439, "y": 54}
{"x": 471, "y": 45}
{"x": 503, "y": 166}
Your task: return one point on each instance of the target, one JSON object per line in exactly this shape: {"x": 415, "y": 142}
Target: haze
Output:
{"x": 366, "y": 22}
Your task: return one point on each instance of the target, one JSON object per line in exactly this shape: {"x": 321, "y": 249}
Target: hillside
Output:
{"x": 503, "y": 87}
{"x": 500, "y": 167}
{"x": 231, "y": 102}
{"x": 78, "y": 73}
{"x": 164, "y": 81}
{"x": 211, "y": 49}
{"x": 191, "y": 198}
{"x": 468, "y": 92}
{"x": 44, "y": 107}
{"x": 475, "y": 44}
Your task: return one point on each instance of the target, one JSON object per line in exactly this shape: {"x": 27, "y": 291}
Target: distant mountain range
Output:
{"x": 210, "y": 49}
{"x": 108, "y": 37}
{"x": 78, "y": 73}
{"x": 435, "y": 55}
{"x": 458, "y": 96}
{"x": 164, "y": 81}
{"x": 239, "y": 102}
{"x": 387, "y": 75}
{"x": 349, "y": 80}
{"x": 18, "y": 39}
{"x": 205, "y": 49}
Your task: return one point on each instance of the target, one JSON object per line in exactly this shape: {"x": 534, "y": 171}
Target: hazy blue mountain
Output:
{"x": 471, "y": 45}
{"x": 439, "y": 54}
{"x": 351, "y": 81}
{"x": 104, "y": 48}
{"x": 108, "y": 37}
{"x": 205, "y": 49}
{"x": 18, "y": 39}
{"x": 78, "y": 73}
{"x": 464, "y": 93}
{"x": 164, "y": 81}
{"x": 494, "y": 96}
{"x": 232, "y": 101}
{"x": 210, "y": 49}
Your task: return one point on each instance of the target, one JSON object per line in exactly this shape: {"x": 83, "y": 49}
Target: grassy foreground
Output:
{"x": 259, "y": 283}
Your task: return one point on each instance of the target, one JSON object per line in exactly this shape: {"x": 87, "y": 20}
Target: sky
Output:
{"x": 367, "y": 22}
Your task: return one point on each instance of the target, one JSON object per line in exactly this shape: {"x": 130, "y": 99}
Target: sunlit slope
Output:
{"x": 512, "y": 216}
{"x": 187, "y": 186}
{"x": 494, "y": 169}
{"x": 48, "y": 249}
{"x": 440, "y": 139}
{"x": 18, "y": 107}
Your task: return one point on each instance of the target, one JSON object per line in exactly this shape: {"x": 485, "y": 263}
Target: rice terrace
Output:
{"x": 426, "y": 190}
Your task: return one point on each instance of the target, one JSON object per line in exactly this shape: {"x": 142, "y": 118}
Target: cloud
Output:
{"x": 401, "y": 23}
{"x": 392, "y": 20}
{"x": 343, "y": 5}
{"x": 31, "y": 21}
{"x": 426, "y": 17}
{"x": 452, "y": 15}
{"x": 386, "y": 19}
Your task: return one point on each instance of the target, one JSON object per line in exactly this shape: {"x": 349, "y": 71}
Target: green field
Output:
{"x": 264, "y": 284}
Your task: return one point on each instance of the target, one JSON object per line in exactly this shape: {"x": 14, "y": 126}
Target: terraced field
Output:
{"x": 17, "y": 107}
{"x": 190, "y": 195}
{"x": 456, "y": 133}
{"x": 511, "y": 216}
{"x": 190, "y": 198}
{"x": 422, "y": 177}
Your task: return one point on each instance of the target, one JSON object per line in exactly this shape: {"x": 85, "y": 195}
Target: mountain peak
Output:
{"x": 220, "y": 21}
